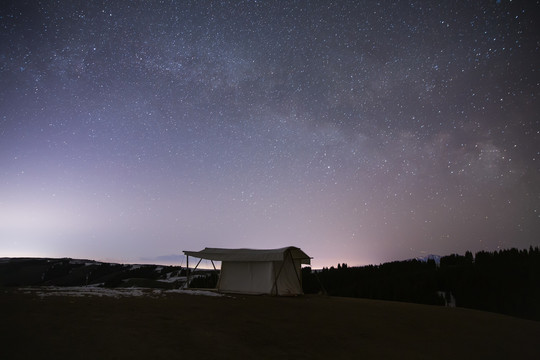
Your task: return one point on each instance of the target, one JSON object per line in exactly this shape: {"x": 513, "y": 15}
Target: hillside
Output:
{"x": 79, "y": 272}
{"x": 251, "y": 327}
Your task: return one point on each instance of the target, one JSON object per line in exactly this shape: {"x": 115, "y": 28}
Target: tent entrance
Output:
{"x": 283, "y": 284}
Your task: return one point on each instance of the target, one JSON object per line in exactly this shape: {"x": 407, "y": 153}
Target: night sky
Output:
{"x": 362, "y": 132}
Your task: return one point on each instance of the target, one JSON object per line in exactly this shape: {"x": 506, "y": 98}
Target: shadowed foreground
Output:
{"x": 178, "y": 326}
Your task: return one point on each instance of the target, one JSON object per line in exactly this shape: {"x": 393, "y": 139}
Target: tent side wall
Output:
{"x": 246, "y": 277}
{"x": 257, "y": 277}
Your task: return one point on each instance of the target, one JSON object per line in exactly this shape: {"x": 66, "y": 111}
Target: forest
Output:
{"x": 505, "y": 281}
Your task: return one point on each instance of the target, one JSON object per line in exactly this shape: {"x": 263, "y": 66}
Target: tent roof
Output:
{"x": 250, "y": 254}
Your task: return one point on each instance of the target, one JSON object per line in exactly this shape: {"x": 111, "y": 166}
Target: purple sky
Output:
{"x": 362, "y": 133}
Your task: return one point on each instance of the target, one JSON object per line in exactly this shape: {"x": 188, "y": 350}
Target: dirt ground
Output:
{"x": 178, "y": 326}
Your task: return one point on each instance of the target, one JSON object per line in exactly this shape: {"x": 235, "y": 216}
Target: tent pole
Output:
{"x": 296, "y": 272}
{"x": 186, "y": 286}
{"x": 279, "y": 272}
{"x": 217, "y": 284}
{"x": 187, "y": 271}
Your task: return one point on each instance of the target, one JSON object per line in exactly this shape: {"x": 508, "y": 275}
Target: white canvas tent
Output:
{"x": 250, "y": 271}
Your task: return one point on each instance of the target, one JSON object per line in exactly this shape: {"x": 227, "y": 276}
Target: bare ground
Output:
{"x": 178, "y": 326}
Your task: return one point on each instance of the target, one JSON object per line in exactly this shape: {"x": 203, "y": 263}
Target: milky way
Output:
{"x": 360, "y": 132}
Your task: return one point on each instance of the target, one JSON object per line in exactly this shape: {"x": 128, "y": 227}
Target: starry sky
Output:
{"x": 360, "y": 131}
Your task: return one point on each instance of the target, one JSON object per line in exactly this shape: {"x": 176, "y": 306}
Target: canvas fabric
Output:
{"x": 249, "y": 271}
{"x": 220, "y": 254}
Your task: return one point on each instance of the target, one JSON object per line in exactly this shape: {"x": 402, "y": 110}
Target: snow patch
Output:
{"x": 449, "y": 299}
{"x": 436, "y": 258}
{"x": 81, "y": 291}
{"x": 195, "y": 292}
{"x": 171, "y": 279}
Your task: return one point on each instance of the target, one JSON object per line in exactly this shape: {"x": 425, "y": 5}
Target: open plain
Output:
{"x": 178, "y": 326}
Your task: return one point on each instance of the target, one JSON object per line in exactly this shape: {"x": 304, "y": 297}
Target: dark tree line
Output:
{"x": 207, "y": 281}
{"x": 506, "y": 281}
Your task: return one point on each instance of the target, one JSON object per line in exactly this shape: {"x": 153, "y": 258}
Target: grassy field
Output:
{"x": 179, "y": 326}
